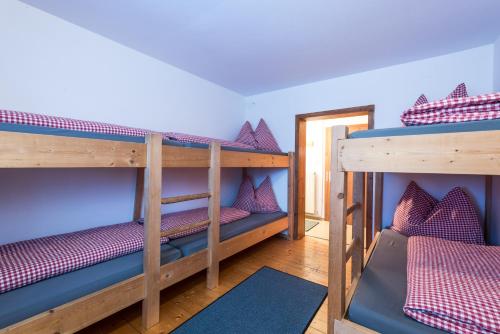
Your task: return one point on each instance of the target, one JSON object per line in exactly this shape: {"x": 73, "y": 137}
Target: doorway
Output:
{"x": 313, "y": 147}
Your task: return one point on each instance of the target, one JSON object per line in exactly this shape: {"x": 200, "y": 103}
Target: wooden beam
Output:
{"x": 178, "y": 157}
{"x": 368, "y": 209}
{"x": 488, "y": 203}
{"x": 378, "y": 188}
{"x": 358, "y": 225}
{"x": 214, "y": 216}
{"x": 337, "y": 235}
{"x": 184, "y": 198}
{"x": 152, "y": 220}
{"x": 179, "y": 229}
{"x": 475, "y": 153}
{"x": 27, "y": 150}
{"x": 238, "y": 159}
{"x": 300, "y": 151}
{"x": 139, "y": 194}
{"x": 353, "y": 208}
{"x": 349, "y": 248}
{"x": 183, "y": 268}
{"x": 82, "y": 312}
{"x": 243, "y": 241}
{"x": 291, "y": 195}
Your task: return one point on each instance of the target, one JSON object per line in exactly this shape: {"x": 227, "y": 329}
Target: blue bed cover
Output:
{"x": 493, "y": 124}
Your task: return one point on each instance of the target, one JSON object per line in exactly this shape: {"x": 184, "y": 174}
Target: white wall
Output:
{"x": 496, "y": 65}
{"x": 50, "y": 66}
{"x": 392, "y": 90}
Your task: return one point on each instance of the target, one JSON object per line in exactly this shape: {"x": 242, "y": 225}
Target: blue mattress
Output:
{"x": 195, "y": 242}
{"x": 493, "y": 124}
{"x": 22, "y": 303}
{"x": 381, "y": 292}
{"x": 93, "y": 135}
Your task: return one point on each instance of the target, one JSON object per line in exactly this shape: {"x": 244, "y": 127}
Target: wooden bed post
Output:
{"x": 152, "y": 218}
{"x": 213, "y": 216}
{"x": 139, "y": 194}
{"x": 337, "y": 237}
{"x": 358, "y": 225}
{"x": 291, "y": 195}
{"x": 378, "y": 188}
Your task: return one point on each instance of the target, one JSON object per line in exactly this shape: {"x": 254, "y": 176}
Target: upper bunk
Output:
{"x": 30, "y": 146}
{"x": 447, "y": 148}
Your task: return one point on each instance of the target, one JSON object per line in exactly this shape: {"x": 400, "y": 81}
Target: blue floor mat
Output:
{"x": 269, "y": 301}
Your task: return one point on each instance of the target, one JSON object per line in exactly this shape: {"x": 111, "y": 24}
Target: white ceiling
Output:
{"x": 253, "y": 46}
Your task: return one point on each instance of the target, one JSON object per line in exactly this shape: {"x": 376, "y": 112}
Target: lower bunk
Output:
{"x": 380, "y": 294}
{"x": 72, "y": 301}
{"x": 424, "y": 284}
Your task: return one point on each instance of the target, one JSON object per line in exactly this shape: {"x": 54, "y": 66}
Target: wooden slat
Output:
{"x": 214, "y": 216}
{"x": 349, "y": 249}
{"x": 152, "y": 219}
{"x": 184, "y": 228}
{"x": 371, "y": 248}
{"x": 337, "y": 235}
{"x": 300, "y": 151}
{"x": 174, "y": 272}
{"x": 234, "y": 245}
{"x": 82, "y": 312}
{"x": 488, "y": 203}
{"x": 291, "y": 195}
{"x": 352, "y": 208}
{"x": 24, "y": 150}
{"x": 250, "y": 159}
{"x": 176, "y": 156}
{"x": 475, "y": 152}
{"x": 139, "y": 194}
{"x": 378, "y": 188}
{"x": 358, "y": 224}
{"x": 369, "y": 209}
{"x": 184, "y": 198}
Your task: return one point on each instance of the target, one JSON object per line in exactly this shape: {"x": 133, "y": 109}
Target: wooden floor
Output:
{"x": 306, "y": 258}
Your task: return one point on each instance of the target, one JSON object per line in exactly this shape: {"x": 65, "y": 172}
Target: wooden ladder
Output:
{"x": 149, "y": 187}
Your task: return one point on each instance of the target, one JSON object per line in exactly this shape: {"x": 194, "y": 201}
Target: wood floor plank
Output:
{"x": 306, "y": 258}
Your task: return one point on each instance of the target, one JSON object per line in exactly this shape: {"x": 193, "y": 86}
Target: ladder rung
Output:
{"x": 353, "y": 207}
{"x": 175, "y": 230}
{"x": 183, "y": 198}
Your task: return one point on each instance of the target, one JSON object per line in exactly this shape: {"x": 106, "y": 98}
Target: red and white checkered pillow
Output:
{"x": 453, "y": 286}
{"x": 453, "y": 218}
{"x": 422, "y": 99}
{"x": 247, "y": 135}
{"x": 245, "y": 200}
{"x": 413, "y": 208}
{"x": 265, "y": 199}
{"x": 265, "y": 139}
{"x": 459, "y": 92}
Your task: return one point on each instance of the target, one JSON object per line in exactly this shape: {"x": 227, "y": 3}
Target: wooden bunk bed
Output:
{"x": 441, "y": 149}
{"x": 32, "y": 150}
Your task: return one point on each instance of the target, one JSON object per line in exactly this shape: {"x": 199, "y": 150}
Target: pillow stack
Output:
{"x": 260, "y": 139}
{"x": 256, "y": 200}
{"x": 453, "y": 218}
{"x": 458, "y": 106}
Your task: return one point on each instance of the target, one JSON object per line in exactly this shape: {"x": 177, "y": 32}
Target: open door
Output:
{"x": 333, "y": 117}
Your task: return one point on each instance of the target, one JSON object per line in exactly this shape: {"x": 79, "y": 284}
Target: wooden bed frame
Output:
{"x": 474, "y": 153}
{"x": 23, "y": 150}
